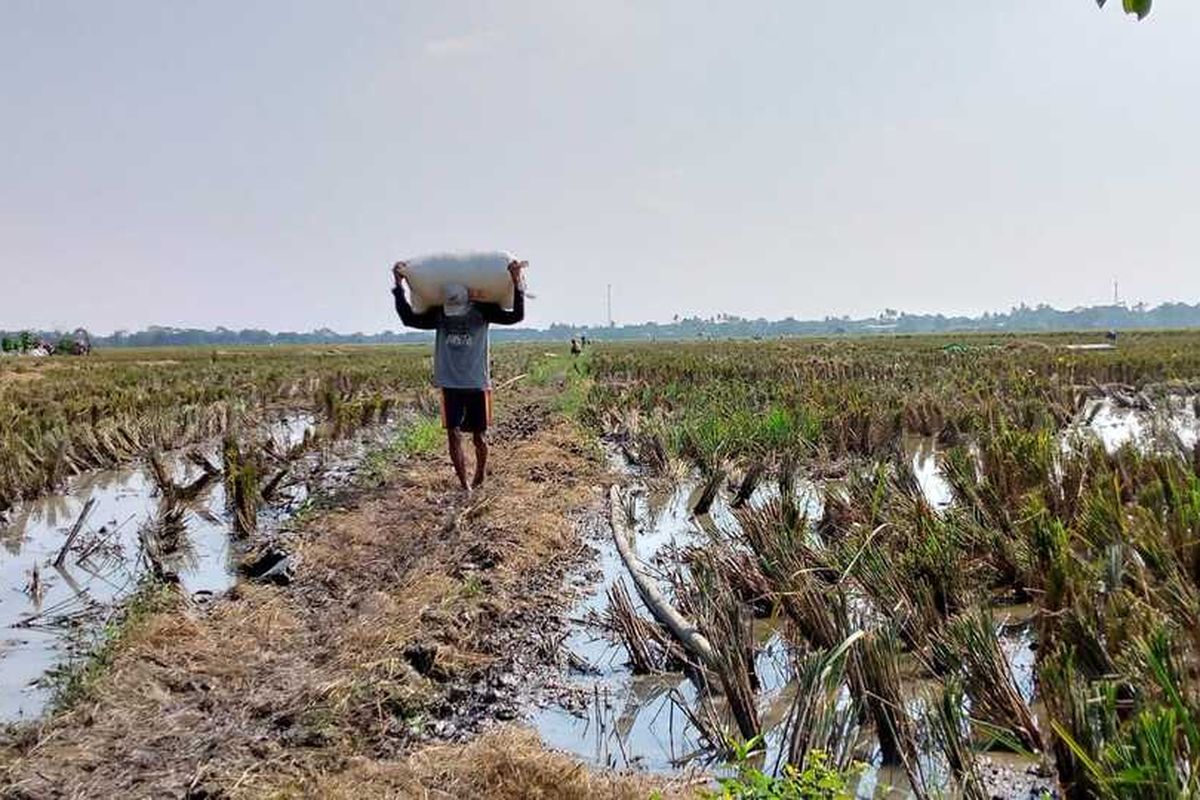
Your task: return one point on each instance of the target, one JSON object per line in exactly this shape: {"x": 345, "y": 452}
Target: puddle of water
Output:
{"x": 106, "y": 563}
{"x": 79, "y": 595}
{"x": 1116, "y": 425}
{"x": 620, "y": 725}
{"x": 289, "y": 430}
{"x": 928, "y": 471}
{"x": 1091, "y": 346}
{"x": 1017, "y": 643}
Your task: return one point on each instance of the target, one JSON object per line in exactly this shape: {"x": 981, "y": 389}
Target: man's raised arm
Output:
{"x": 496, "y": 315}
{"x": 427, "y": 321}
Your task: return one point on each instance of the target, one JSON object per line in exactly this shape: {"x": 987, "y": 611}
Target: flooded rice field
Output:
{"x": 649, "y": 721}
{"x": 638, "y": 720}
{"x": 58, "y": 590}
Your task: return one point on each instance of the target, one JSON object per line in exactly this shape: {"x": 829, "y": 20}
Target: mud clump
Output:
{"x": 524, "y": 423}
{"x": 483, "y": 555}
{"x": 272, "y": 566}
{"x": 422, "y": 657}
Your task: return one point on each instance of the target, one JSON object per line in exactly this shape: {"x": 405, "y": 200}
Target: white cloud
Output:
{"x": 464, "y": 44}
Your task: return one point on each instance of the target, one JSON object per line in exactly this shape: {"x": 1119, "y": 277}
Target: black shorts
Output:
{"x": 467, "y": 410}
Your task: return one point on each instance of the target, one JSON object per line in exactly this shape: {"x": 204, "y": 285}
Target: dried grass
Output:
{"x": 507, "y": 764}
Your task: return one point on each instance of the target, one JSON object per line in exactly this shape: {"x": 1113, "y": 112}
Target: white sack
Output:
{"x": 485, "y": 274}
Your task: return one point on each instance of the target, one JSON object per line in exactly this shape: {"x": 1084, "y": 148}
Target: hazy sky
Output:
{"x": 262, "y": 164}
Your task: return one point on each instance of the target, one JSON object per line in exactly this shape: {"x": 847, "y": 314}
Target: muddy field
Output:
{"x": 908, "y": 568}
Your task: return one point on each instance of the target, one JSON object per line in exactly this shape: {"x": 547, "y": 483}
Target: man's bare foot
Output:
{"x": 479, "y": 479}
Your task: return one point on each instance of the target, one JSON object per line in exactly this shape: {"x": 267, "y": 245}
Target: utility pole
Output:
{"x": 610, "y": 319}
{"x": 1116, "y": 294}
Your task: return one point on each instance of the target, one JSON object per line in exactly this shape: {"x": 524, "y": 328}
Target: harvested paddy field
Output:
{"x": 894, "y": 567}
{"x": 409, "y": 615}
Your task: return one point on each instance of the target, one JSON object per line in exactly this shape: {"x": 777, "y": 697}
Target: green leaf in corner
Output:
{"x": 1139, "y": 7}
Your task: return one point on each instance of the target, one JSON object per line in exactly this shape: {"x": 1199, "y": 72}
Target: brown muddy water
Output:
{"x": 41, "y": 631}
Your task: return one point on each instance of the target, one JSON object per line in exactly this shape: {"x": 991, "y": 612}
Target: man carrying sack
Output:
{"x": 461, "y": 363}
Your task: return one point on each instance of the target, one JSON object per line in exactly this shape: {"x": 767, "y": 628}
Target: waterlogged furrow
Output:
{"x": 52, "y": 612}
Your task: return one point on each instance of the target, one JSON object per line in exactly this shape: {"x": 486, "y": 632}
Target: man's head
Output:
{"x": 456, "y": 300}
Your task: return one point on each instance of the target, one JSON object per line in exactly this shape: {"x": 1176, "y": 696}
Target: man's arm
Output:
{"x": 427, "y": 321}
{"x": 493, "y": 313}
{"x": 496, "y": 315}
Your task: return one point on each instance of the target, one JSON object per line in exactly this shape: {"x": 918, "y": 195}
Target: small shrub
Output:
{"x": 818, "y": 781}
{"x": 424, "y": 437}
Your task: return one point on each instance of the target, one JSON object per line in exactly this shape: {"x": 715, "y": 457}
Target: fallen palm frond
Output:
{"x": 684, "y": 631}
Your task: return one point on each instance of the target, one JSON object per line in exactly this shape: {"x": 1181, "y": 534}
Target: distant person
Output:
{"x": 461, "y": 361}
{"x": 575, "y": 348}
{"x": 583, "y": 341}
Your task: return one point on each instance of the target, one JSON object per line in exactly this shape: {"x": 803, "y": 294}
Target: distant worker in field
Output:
{"x": 461, "y": 367}
{"x": 575, "y": 348}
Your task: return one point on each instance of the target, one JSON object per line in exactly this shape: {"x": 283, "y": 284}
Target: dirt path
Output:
{"x": 414, "y": 618}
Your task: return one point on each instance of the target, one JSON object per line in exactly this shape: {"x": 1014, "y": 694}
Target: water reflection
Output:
{"x": 106, "y": 562}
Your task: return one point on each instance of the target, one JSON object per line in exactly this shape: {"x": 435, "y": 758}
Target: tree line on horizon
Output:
{"x": 1020, "y": 319}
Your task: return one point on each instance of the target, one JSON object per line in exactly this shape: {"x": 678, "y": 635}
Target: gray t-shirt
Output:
{"x": 461, "y": 359}
{"x": 460, "y": 351}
